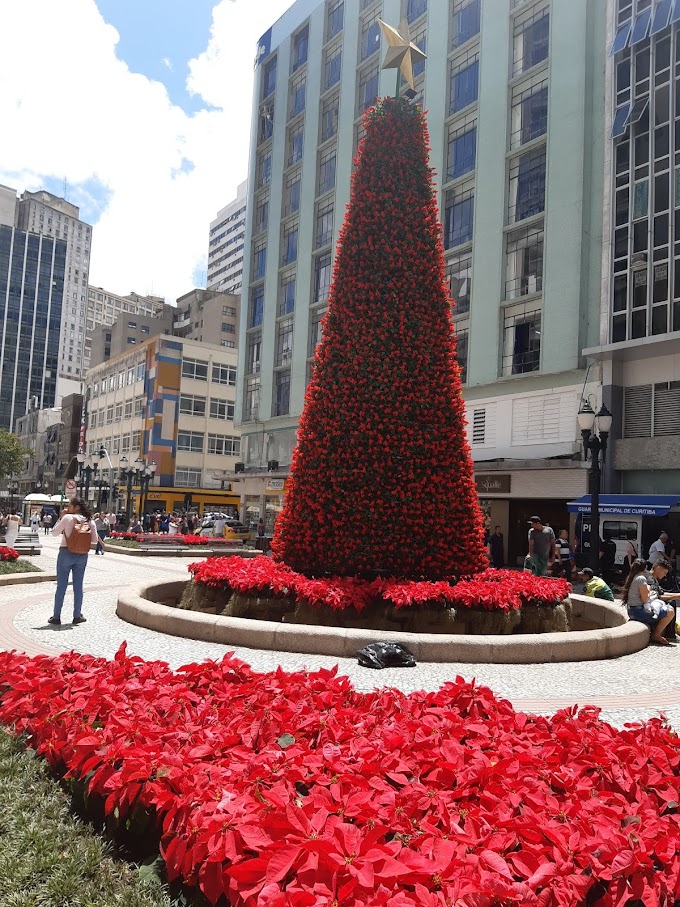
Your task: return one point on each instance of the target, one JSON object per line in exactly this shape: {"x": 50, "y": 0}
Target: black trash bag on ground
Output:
{"x": 386, "y": 655}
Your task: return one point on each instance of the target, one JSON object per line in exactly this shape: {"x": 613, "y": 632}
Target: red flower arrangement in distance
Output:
{"x": 382, "y": 478}
{"x": 278, "y": 790}
{"x": 8, "y": 554}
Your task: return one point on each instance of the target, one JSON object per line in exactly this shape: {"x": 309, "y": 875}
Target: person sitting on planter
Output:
{"x": 645, "y": 598}
{"x": 596, "y": 586}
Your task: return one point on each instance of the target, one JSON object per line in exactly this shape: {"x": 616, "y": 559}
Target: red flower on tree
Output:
{"x": 382, "y": 478}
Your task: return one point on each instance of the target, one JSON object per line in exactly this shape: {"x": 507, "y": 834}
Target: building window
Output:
{"x": 524, "y": 262}
{"x": 116, "y": 446}
{"x": 284, "y": 342}
{"x": 368, "y": 89}
{"x": 264, "y": 169}
{"x": 253, "y": 352}
{"x": 296, "y": 136}
{"x": 131, "y": 375}
{"x": 329, "y": 117}
{"x": 415, "y": 9}
{"x": 229, "y": 344}
{"x": 291, "y": 200}
{"x": 135, "y": 440}
{"x": 195, "y": 368}
{"x": 300, "y": 48}
{"x": 229, "y": 310}
{"x": 521, "y": 341}
{"x": 327, "y": 161}
{"x": 221, "y": 409}
{"x": 228, "y": 328}
{"x": 140, "y": 371}
{"x": 370, "y": 36}
{"x": 462, "y": 352}
{"x": 224, "y": 445}
{"x": 251, "y": 401}
{"x": 459, "y": 277}
{"x": 287, "y": 294}
{"x": 100, "y": 417}
{"x": 281, "y": 402}
{"x": 466, "y": 21}
{"x": 118, "y": 415}
{"x": 324, "y": 224}
{"x": 463, "y": 83}
{"x": 139, "y": 406}
{"x": 224, "y": 374}
{"x": 461, "y": 150}
{"x": 256, "y": 306}
{"x": 125, "y": 447}
{"x": 269, "y": 78}
{"x": 315, "y": 329}
{"x": 526, "y": 195}
{"x": 109, "y": 415}
{"x": 336, "y": 14}
{"x": 420, "y": 41}
{"x": 191, "y": 405}
{"x": 191, "y": 441}
{"x": 530, "y": 39}
{"x": 332, "y": 67}
{"x": 323, "y": 272}
{"x": 529, "y": 113}
{"x": 261, "y": 213}
{"x": 459, "y": 216}
{"x": 259, "y": 260}
{"x": 652, "y": 410}
{"x": 298, "y": 94}
{"x": 132, "y": 340}
{"x": 187, "y": 478}
{"x": 290, "y": 244}
{"x": 128, "y": 409}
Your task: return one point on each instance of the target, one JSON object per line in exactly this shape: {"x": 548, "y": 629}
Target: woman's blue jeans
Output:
{"x": 69, "y": 563}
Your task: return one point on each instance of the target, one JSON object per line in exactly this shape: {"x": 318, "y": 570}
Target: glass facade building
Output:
{"x": 31, "y": 300}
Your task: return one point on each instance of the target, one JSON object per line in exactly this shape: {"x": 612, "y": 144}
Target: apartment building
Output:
{"x": 225, "y": 245}
{"x": 638, "y": 347}
{"x": 105, "y": 307}
{"x": 171, "y": 401}
{"x": 514, "y": 91}
{"x": 46, "y": 214}
{"x": 32, "y": 285}
{"x": 110, "y": 340}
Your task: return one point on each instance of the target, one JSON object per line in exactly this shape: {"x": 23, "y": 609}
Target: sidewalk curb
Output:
{"x": 21, "y": 579}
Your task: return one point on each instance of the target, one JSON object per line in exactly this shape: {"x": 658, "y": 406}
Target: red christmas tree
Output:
{"x": 382, "y": 478}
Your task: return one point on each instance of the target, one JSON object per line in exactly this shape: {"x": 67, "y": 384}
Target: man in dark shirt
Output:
{"x": 496, "y": 548}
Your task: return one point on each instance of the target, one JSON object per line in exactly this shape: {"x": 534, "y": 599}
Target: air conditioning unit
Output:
{"x": 239, "y": 467}
{"x": 272, "y": 465}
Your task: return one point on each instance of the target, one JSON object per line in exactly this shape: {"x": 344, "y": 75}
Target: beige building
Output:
{"x": 170, "y": 401}
{"x": 104, "y": 308}
{"x": 110, "y": 340}
{"x": 208, "y": 315}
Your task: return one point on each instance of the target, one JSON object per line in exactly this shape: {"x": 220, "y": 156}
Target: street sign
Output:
{"x": 70, "y": 487}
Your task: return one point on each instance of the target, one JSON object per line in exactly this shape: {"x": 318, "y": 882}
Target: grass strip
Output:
{"x": 20, "y": 566}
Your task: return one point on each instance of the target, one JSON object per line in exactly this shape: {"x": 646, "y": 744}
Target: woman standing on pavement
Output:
{"x": 78, "y": 533}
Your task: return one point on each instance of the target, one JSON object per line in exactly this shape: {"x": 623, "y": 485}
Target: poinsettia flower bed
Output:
{"x": 8, "y": 554}
{"x": 175, "y": 539}
{"x": 503, "y": 590}
{"x": 287, "y": 789}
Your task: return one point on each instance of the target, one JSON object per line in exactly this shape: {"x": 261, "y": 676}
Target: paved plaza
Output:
{"x": 627, "y": 689}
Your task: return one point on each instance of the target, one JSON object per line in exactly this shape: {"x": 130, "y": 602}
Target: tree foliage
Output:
{"x": 11, "y": 453}
{"x": 382, "y": 476}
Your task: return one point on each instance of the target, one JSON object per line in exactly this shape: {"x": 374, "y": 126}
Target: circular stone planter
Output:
{"x": 153, "y": 606}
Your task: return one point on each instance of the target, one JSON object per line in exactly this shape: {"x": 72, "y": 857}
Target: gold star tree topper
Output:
{"x": 402, "y": 53}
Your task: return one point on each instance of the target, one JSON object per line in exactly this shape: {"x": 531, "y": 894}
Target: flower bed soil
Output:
{"x": 495, "y": 602}
{"x": 286, "y": 789}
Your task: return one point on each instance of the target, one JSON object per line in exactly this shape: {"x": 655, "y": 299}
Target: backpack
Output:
{"x": 80, "y": 539}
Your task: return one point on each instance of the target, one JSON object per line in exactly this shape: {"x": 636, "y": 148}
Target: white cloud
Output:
{"x": 167, "y": 62}
{"x": 70, "y": 109}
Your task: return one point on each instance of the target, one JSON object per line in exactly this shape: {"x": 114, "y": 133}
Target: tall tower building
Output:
{"x": 47, "y": 214}
{"x": 32, "y": 278}
{"x": 225, "y": 246}
{"x": 514, "y": 92}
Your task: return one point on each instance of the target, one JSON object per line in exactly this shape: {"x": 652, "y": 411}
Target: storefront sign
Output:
{"x": 494, "y": 484}
{"x": 274, "y": 485}
{"x": 154, "y": 496}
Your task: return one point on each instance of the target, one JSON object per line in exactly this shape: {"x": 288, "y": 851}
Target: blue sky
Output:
{"x": 159, "y": 37}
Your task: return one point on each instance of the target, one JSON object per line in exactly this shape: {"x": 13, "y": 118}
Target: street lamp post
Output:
{"x": 595, "y": 441}
{"x": 12, "y": 488}
{"x": 129, "y": 474}
{"x": 145, "y": 479}
{"x": 103, "y": 452}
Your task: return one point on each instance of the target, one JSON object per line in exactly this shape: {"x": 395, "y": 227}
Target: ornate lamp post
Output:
{"x": 103, "y": 452}
{"x": 595, "y": 441}
{"x": 80, "y": 457}
{"x": 13, "y": 489}
{"x": 145, "y": 480}
{"x": 129, "y": 474}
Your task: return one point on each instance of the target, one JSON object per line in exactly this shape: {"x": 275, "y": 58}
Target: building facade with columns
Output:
{"x": 514, "y": 91}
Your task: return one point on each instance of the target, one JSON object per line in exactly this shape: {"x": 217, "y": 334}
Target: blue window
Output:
{"x": 299, "y": 95}
{"x": 458, "y": 217}
{"x": 300, "y": 48}
{"x": 461, "y": 153}
{"x": 287, "y": 304}
{"x": 661, "y": 16}
{"x": 259, "y": 262}
{"x": 527, "y": 186}
{"x": 282, "y": 393}
{"x": 333, "y": 68}
{"x": 535, "y": 40}
{"x": 464, "y": 86}
{"x": 466, "y": 23}
{"x": 621, "y": 40}
{"x": 641, "y": 27}
{"x": 371, "y": 40}
{"x": 620, "y": 120}
{"x": 415, "y": 9}
{"x": 535, "y": 115}
{"x": 269, "y": 78}
{"x": 368, "y": 90}
{"x": 290, "y": 244}
{"x": 256, "y": 306}
{"x": 419, "y": 65}
{"x": 336, "y": 16}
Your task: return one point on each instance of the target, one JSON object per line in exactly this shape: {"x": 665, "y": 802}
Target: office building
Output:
{"x": 171, "y": 401}
{"x": 110, "y": 340}
{"x": 514, "y": 93}
{"x": 208, "y": 315}
{"x": 104, "y": 308}
{"x": 639, "y": 342}
{"x": 225, "y": 246}
{"x": 46, "y": 214}
{"x": 32, "y": 281}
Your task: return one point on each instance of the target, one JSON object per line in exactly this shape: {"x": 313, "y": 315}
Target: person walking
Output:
{"x": 102, "y": 527}
{"x": 78, "y": 533}
{"x": 541, "y": 546}
{"x": 47, "y": 522}
{"x": 34, "y": 522}
{"x": 12, "y": 523}
{"x": 496, "y": 548}
{"x": 657, "y": 549}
